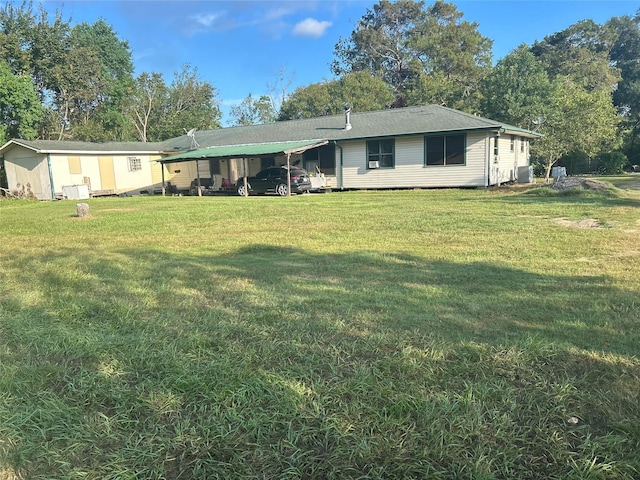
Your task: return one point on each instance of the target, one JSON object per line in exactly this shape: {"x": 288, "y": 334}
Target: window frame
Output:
{"x": 380, "y": 153}
{"x": 523, "y": 145}
{"x": 135, "y": 164}
{"x": 444, "y": 150}
{"x": 512, "y": 144}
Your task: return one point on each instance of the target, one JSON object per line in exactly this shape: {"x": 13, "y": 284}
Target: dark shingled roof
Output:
{"x": 382, "y": 123}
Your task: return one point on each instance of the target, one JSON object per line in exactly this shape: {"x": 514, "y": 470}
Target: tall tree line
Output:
{"x": 66, "y": 82}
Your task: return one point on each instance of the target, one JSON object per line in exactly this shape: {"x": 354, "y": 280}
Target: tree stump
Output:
{"x": 82, "y": 209}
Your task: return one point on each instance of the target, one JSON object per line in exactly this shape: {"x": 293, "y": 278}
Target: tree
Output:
{"x": 455, "y": 58}
{"x": 517, "y": 91}
{"x": 149, "y": 96}
{"x": 191, "y": 103}
{"x": 253, "y": 111}
{"x": 359, "y": 90}
{"x": 577, "y": 121}
{"x": 417, "y": 52}
{"x": 20, "y": 110}
{"x": 625, "y": 51}
{"x": 381, "y": 45}
{"x": 581, "y": 52}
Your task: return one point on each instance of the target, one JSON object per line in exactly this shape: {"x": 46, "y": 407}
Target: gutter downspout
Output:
{"x": 341, "y": 165}
{"x": 53, "y": 190}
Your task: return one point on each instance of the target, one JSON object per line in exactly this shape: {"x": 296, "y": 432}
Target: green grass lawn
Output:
{"x": 445, "y": 334}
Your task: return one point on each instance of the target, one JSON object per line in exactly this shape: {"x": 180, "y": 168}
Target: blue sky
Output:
{"x": 242, "y": 47}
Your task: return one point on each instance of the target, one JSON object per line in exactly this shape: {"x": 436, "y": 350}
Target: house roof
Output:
{"x": 382, "y": 123}
{"x": 245, "y": 150}
{"x": 63, "y": 146}
{"x": 423, "y": 120}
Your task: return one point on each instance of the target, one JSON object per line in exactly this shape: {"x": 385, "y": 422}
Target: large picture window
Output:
{"x": 381, "y": 153}
{"x": 445, "y": 150}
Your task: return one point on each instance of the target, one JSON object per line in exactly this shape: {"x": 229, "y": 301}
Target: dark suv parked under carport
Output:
{"x": 274, "y": 180}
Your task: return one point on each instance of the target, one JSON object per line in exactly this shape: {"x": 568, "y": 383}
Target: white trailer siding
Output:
{"x": 410, "y": 170}
{"x": 66, "y": 172}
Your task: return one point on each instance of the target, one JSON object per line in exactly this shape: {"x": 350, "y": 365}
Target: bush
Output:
{"x": 612, "y": 163}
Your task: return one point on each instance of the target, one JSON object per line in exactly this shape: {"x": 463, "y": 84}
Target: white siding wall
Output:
{"x": 506, "y": 168}
{"x": 126, "y": 181}
{"x": 410, "y": 171}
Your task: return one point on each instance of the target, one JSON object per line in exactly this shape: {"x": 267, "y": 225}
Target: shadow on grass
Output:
{"x": 272, "y": 360}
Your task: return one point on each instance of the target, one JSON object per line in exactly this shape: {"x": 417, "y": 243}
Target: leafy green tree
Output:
{"x": 103, "y": 116}
{"x": 252, "y": 111}
{"x": 308, "y": 102}
{"x": 381, "y": 45}
{"x": 577, "y": 121}
{"x": 359, "y": 90}
{"x": 191, "y": 103}
{"x": 16, "y": 23}
{"x": 581, "y": 52}
{"x": 517, "y": 91}
{"x": 625, "y": 51}
{"x": 20, "y": 110}
{"x": 424, "y": 55}
{"x": 455, "y": 59}
{"x": 150, "y": 95}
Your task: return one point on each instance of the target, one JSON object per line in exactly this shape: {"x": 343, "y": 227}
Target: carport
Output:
{"x": 243, "y": 152}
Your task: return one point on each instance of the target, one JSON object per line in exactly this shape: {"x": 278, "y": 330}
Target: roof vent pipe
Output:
{"x": 347, "y": 119}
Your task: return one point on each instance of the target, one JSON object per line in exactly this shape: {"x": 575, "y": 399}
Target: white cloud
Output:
{"x": 310, "y": 27}
{"x": 206, "y": 20}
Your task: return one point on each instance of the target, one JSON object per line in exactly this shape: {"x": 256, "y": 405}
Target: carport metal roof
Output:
{"x": 245, "y": 151}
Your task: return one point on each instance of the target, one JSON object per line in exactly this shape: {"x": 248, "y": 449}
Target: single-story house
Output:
{"x": 414, "y": 147}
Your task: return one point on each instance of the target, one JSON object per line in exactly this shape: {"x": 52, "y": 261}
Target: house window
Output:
{"x": 496, "y": 145}
{"x": 322, "y": 157}
{"x": 445, "y": 150}
{"x": 135, "y": 164}
{"x": 512, "y": 146}
{"x": 380, "y": 153}
{"x": 74, "y": 165}
{"x": 523, "y": 145}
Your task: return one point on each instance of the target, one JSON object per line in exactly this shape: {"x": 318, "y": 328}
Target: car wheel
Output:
{"x": 281, "y": 190}
{"x": 241, "y": 190}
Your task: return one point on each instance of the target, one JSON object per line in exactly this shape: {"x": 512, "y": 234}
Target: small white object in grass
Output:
{"x": 573, "y": 420}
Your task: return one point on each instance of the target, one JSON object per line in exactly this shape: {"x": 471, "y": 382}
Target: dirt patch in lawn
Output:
{"x": 584, "y": 223}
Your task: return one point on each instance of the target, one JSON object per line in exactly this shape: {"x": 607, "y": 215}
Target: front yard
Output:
{"x": 417, "y": 334}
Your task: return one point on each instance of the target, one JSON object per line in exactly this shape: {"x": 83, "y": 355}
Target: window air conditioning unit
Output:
{"x": 374, "y": 164}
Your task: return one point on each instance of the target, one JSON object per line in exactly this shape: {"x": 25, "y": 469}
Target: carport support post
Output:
{"x": 198, "y": 175}
{"x": 162, "y": 170}
{"x": 288, "y": 174}
{"x": 244, "y": 177}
